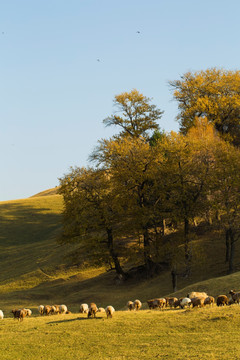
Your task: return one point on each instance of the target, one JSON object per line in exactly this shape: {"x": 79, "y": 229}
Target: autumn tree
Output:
{"x": 135, "y": 115}
{"x": 225, "y": 189}
{"x": 189, "y": 160}
{"x": 90, "y": 217}
{"x": 215, "y": 94}
{"x": 133, "y": 165}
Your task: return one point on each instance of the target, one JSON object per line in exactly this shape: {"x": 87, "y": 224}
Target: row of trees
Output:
{"x": 143, "y": 181}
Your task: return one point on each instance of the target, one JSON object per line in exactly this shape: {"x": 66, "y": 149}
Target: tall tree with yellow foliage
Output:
{"x": 135, "y": 115}
{"x": 213, "y": 93}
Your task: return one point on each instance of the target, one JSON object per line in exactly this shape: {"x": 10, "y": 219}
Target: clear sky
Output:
{"x": 54, "y": 93}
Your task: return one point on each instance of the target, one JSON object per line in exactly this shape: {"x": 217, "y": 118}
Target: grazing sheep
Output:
{"x": 63, "y": 309}
{"x": 47, "y": 309}
{"x": 41, "y": 309}
{"x": 53, "y": 310}
{"x": 101, "y": 310}
{"x": 177, "y": 302}
{"x": 130, "y": 305}
{"x": 222, "y": 300}
{"x": 152, "y": 304}
{"x": 92, "y": 310}
{"x": 235, "y": 296}
{"x": 1, "y": 315}
{"x": 19, "y": 314}
{"x": 83, "y": 308}
{"x": 230, "y": 301}
{"x": 28, "y": 312}
{"x": 209, "y": 300}
{"x": 197, "y": 301}
{"x": 194, "y": 294}
{"x": 185, "y": 302}
{"x": 109, "y": 311}
{"x": 15, "y": 312}
{"x": 57, "y": 309}
{"x": 161, "y": 303}
{"x": 171, "y": 301}
{"x": 137, "y": 304}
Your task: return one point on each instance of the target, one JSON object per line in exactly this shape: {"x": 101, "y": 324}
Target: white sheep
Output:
{"x": 194, "y": 294}
{"x": 130, "y": 305}
{"x": 101, "y": 310}
{"x": 28, "y": 311}
{"x": 63, "y": 309}
{"x": 185, "y": 302}
{"x": 109, "y": 311}
{"x": 41, "y": 309}
{"x": 84, "y": 308}
{"x": 137, "y": 304}
{"x": 1, "y": 314}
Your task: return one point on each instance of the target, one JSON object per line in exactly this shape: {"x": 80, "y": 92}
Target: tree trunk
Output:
{"x": 174, "y": 279}
{"x": 232, "y": 251}
{"x": 146, "y": 252}
{"x": 113, "y": 255}
{"x": 187, "y": 247}
{"x": 227, "y": 242}
{"x": 163, "y": 226}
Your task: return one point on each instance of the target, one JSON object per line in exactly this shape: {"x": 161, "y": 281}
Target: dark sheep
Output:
{"x": 222, "y": 300}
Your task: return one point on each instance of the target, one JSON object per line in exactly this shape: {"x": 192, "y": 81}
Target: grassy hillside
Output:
{"x": 208, "y": 333}
{"x": 36, "y": 269}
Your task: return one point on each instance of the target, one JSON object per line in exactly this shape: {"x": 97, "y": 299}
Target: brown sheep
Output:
{"x": 152, "y": 304}
{"x": 156, "y": 303}
{"x": 235, "y": 296}
{"x": 222, "y": 300}
{"x": 209, "y": 300}
{"x": 47, "y": 310}
{"x": 19, "y": 314}
{"x": 197, "y": 301}
{"x": 92, "y": 310}
{"x": 53, "y": 310}
{"x": 161, "y": 303}
{"x": 170, "y": 301}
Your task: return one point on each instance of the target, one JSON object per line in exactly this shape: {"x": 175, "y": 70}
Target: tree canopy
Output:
{"x": 147, "y": 183}
{"x": 135, "y": 115}
{"x": 213, "y": 93}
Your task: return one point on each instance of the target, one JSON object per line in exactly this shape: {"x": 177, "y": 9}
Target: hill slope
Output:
{"x": 35, "y": 268}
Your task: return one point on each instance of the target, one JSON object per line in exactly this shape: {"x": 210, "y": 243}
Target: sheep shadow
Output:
{"x": 71, "y": 320}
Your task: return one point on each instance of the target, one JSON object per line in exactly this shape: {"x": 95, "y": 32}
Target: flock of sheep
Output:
{"x": 91, "y": 310}
{"x": 194, "y": 299}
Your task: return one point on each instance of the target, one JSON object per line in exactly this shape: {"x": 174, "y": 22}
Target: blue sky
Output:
{"x": 54, "y": 93}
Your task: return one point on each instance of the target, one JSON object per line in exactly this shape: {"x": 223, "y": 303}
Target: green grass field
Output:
{"x": 207, "y": 333}
{"x": 36, "y": 270}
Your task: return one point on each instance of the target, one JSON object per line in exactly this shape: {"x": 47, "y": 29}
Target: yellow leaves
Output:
{"x": 202, "y": 129}
{"x": 214, "y": 93}
{"x": 133, "y": 96}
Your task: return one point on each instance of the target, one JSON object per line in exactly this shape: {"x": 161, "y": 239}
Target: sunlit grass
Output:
{"x": 208, "y": 333}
